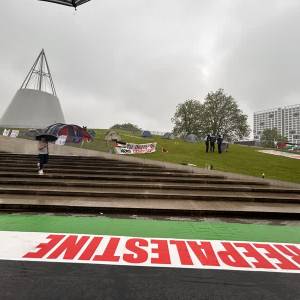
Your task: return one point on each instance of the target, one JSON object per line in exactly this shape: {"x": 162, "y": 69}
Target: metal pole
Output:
{"x": 27, "y": 79}
{"x": 50, "y": 76}
{"x": 41, "y": 70}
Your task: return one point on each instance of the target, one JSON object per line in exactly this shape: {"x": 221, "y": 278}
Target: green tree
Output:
{"x": 223, "y": 116}
{"x": 219, "y": 114}
{"x": 270, "y": 136}
{"x": 187, "y": 118}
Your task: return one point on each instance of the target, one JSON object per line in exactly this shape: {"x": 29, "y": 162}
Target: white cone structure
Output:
{"x": 35, "y": 104}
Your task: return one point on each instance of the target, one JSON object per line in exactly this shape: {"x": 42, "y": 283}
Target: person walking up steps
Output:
{"x": 43, "y": 155}
{"x": 207, "y": 140}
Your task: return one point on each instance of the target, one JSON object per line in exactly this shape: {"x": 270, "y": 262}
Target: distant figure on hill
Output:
{"x": 212, "y": 143}
{"x": 43, "y": 155}
{"x": 219, "y": 142}
{"x": 207, "y": 141}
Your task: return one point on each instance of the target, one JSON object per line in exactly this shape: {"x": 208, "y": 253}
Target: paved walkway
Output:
{"x": 76, "y": 257}
{"x": 280, "y": 153}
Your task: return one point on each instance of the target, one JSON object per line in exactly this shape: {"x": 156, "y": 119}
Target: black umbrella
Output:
{"x": 47, "y": 137}
{"x": 73, "y": 3}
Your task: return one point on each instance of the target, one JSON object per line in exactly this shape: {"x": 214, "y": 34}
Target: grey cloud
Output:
{"x": 135, "y": 60}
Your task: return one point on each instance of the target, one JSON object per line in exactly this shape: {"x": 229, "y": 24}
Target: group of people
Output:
{"x": 210, "y": 142}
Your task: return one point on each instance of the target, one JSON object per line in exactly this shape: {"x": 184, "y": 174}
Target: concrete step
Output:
{"x": 154, "y": 194}
{"x": 81, "y": 184}
{"x": 145, "y": 185}
{"x": 52, "y": 166}
{"x": 148, "y": 206}
{"x": 18, "y": 155}
{"x": 79, "y": 165}
{"x": 25, "y": 157}
{"x": 110, "y": 172}
{"x": 202, "y": 178}
{"x": 69, "y": 161}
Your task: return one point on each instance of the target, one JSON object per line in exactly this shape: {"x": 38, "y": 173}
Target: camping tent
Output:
{"x": 169, "y": 136}
{"x": 112, "y": 135}
{"x": 146, "y": 134}
{"x": 92, "y": 132}
{"x": 32, "y": 133}
{"x": 191, "y": 138}
{"x": 74, "y": 133}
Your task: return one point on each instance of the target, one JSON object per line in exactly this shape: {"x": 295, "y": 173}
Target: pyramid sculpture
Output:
{"x": 35, "y": 104}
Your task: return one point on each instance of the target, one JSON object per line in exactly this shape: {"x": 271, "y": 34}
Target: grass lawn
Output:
{"x": 238, "y": 159}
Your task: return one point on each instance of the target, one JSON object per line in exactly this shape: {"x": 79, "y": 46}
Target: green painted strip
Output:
{"x": 150, "y": 228}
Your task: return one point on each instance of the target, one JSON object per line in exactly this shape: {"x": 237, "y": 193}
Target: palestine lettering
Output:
{"x": 168, "y": 252}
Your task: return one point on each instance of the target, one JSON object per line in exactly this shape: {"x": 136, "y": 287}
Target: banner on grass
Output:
{"x": 14, "y": 133}
{"x": 6, "y": 132}
{"x": 61, "y": 140}
{"x": 129, "y": 148}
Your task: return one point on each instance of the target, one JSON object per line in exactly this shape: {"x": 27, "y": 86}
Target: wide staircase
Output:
{"x": 96, "y": 185}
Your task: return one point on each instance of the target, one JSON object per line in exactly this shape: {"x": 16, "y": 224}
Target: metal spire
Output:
{"x": 39, "y": 76}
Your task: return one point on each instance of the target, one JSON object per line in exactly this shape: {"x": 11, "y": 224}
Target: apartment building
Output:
{"x": 285, "y": 119}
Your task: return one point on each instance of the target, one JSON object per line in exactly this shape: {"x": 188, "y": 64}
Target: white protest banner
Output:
{"x": 61, "y": 140}
{"x": 6, "y": 132}
{"x": 136, "y": 148}
{"x": 14, "y": 133}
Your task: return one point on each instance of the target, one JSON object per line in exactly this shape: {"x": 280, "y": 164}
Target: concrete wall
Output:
{"x": 22, "y": 146}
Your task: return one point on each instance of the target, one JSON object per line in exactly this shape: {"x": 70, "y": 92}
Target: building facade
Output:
{"x": 285, "y": 119}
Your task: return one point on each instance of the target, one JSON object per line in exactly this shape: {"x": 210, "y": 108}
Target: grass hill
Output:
{"x": 239, "y": 159}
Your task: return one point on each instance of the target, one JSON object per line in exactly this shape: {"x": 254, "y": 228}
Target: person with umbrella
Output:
{"x": 43, "y": 149}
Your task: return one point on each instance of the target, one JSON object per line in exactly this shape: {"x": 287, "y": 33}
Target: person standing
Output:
{"x": 43, "y": 155}
{"x": 219, "y": 142}
{"x": 212, "y": 143}
{"x": 207, "y": 141}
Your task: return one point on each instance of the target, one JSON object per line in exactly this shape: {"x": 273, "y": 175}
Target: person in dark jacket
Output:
{"x": 207, "y": 140}
{"x": 43, "y": 155}
{"x": 219, "y": 142}
{"x": 212, "y": 143}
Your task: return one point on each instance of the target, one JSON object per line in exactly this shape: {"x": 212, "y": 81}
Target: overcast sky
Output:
{"x": 116, "y": 61}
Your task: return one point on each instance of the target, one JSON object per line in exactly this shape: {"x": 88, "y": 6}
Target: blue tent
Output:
{"x": 169, "y": 136}
{"x": 146, "y": 134}
{"x": 191, "y": 138}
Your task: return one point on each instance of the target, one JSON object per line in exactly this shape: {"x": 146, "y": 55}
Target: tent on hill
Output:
{"x": 74, "y": 133}
{"x": 146, "y": 134}
{"x": 112, "y": 135}
{"x": 169, "y": 136}
{"x": 191, "y": 138}
{"x": 32, "y": 133}
{"x": 92, "y": 132}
